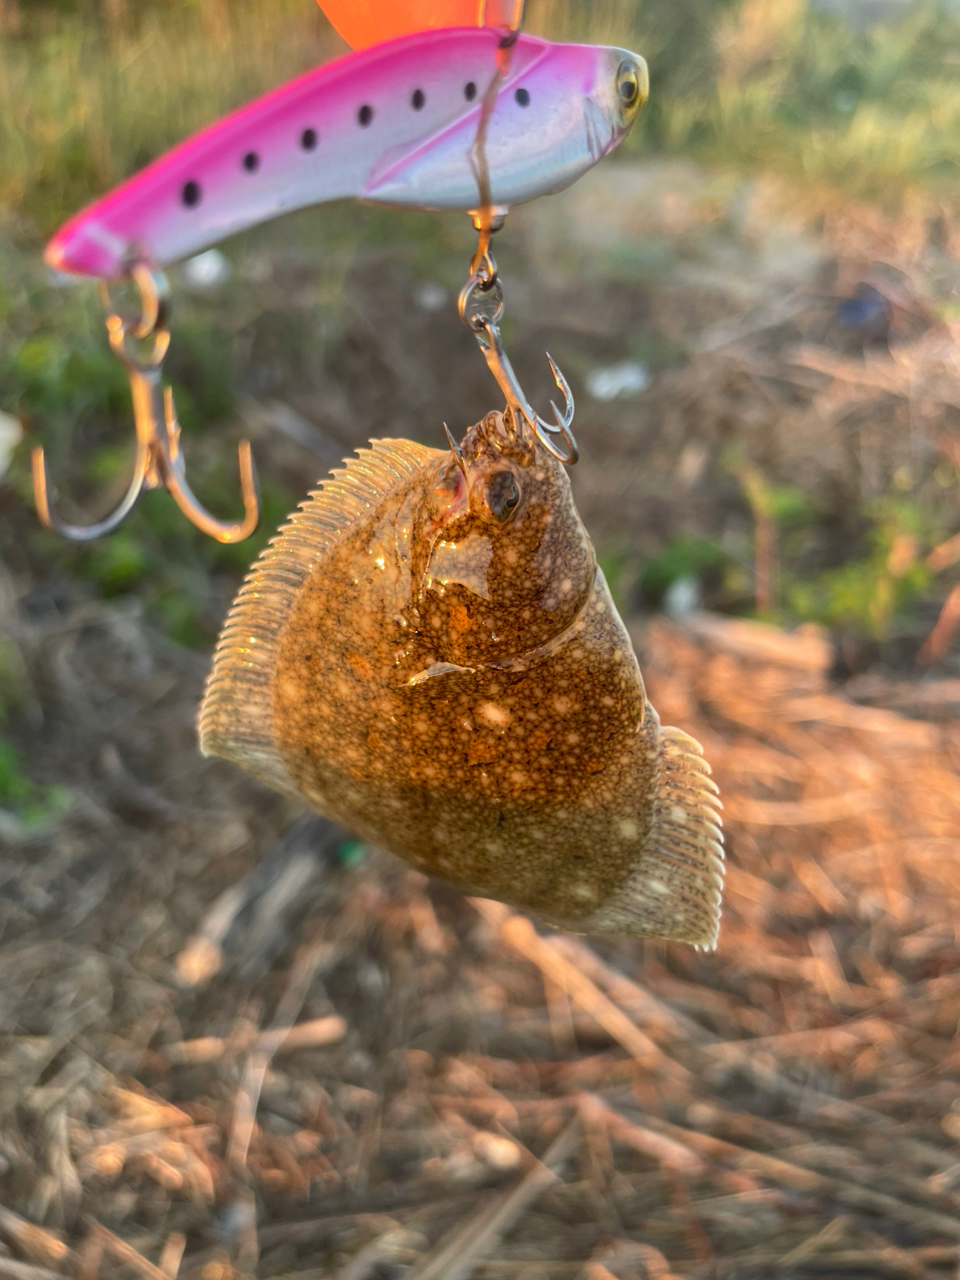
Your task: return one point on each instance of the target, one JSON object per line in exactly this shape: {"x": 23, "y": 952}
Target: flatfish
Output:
{"x": 429, "y": 654}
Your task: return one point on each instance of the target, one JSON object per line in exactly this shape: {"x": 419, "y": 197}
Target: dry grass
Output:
{"x": 461, "y": 1095}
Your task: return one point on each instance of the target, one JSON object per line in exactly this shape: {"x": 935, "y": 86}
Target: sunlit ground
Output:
{"x": 756, "y": 305}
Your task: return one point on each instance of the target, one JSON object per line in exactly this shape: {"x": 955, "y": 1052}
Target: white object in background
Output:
{"x": 207, "y": 270}
{"x": 618, "y": 380}
{"x": 11, "y": 433}
{"x": 682, "y": 597}
{"x": 430, "y": 296}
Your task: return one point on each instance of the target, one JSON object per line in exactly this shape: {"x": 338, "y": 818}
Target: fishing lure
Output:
{"x": 429, "y": 654}
{"x": 396, "y": 124}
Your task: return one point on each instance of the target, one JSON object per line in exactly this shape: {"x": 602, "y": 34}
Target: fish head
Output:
{"x": 509, "y": 564}
{"x": 621, "y": 88}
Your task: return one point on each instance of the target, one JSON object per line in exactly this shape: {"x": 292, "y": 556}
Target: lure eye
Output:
{"x": 631, "y": 86}
{"x": 501, "y": 495}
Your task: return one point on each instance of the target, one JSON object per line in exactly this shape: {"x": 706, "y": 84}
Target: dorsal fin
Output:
{"x": 236, "y": 715}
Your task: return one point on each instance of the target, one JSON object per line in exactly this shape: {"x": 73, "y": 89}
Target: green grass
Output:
{"x": 30, "y": 804}
{"x": 78, "y": 113}
{"x": 872, "y": 114}
{"x": 876, "y": 588}
{"x": 33, "y": 806}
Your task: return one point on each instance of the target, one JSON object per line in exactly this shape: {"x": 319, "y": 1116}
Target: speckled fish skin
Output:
{"x": 395, "y": 124}
{"x": 432, "y": 657}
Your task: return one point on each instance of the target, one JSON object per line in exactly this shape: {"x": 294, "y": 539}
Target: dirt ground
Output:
{"x": 234, "y": 1042}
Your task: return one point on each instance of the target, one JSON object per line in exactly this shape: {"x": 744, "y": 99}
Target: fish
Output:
{"x": 396, "y": 124}
{"x": 365, "y": 22}
{"x": 428, "y": 654}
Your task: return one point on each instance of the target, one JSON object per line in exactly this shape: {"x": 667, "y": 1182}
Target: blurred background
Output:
{"x": 757, "y": 303}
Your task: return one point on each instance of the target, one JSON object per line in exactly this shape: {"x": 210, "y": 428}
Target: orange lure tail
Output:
{"x": 367, "y": 22}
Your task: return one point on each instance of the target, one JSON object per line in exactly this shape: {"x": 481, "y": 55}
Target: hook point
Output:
{"x": 456, "y": 451}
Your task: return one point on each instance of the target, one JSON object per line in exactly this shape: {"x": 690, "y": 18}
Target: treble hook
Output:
{"x": 158, "y": 458}
{"x": 482, "y": 315}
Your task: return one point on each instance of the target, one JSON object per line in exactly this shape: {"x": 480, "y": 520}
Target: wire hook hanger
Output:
{"x": 481, "y": 309}
{"x": 158, "y": 460}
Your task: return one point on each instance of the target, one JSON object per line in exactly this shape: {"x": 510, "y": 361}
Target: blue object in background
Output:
{"x": 868, "y": 312}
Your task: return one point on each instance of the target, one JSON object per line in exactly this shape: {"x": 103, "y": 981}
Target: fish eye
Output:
{"x": 501, "y": 495}
{"x": 631, "y": 86}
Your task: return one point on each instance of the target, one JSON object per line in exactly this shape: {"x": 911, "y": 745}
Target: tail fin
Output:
{"x": 675, "y": 891}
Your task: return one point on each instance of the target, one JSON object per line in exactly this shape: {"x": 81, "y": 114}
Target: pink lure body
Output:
{"x": 395, "y": 124}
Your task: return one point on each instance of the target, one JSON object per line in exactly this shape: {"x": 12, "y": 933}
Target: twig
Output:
{"x": 806, "y": 650}
{"x": 669, "y": 1154}
{"x": 938, "y": 641}
{"x": 122, "y": 1251}
{"x": 945, "y": 555}
{"x": 266, "y": 1046}
{"x": 909, "y": 1262}
{"x": 786, "y": 1174}
{"x": 91, "y": 1254}
{"x": 314, "y": 1229}
{"x": 521, "y": 935}
{"x": 385, "y": 1247}
{"x": 314, "y": 1034}
{"x": 12, "y": 1270}
{"x": 758, "y": 494}
{"x": 457, "y": 1257}
{"x": 656, "y": 1013}
{"x": 251, "y": 1086}
{"x": 627, "y": 1252}
{"x": 172, "y": 1254}
{"x": 39, "y": 1244}
{"x": 796, "y": 813}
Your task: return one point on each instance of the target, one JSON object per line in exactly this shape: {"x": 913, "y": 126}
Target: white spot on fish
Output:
{"x": 628, "y": 829}
{"x": 583, "y": 891}
{"x": 496, "y": 716}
